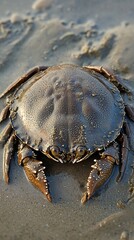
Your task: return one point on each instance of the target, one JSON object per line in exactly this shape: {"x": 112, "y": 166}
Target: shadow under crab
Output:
{"x": 68, "y": 113}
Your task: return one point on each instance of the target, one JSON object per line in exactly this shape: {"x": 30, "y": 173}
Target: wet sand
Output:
{"x": 83, "y": 33}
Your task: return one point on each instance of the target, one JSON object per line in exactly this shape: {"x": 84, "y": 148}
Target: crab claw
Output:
{"x": 34, "y": 171}
{"x": 102, "y": 170}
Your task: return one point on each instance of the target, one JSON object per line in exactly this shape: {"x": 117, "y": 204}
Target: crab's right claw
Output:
{"x": 102, "y": 170}
{"x": 34, "y": 171}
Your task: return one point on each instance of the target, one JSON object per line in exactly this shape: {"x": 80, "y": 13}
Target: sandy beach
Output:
{"x": 83, "y": 33}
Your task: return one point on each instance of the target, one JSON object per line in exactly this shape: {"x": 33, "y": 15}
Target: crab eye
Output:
{"x": 54, "y": 151}
{"x": 80, "y": 151}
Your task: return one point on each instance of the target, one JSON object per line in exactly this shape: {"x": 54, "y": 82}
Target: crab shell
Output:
{"x": 67, "y": 106}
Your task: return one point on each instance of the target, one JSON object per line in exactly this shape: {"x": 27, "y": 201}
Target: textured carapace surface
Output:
{"x": 67, "y": 106}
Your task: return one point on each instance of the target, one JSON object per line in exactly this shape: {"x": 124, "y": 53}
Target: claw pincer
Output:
{"x": 102, "y": 170}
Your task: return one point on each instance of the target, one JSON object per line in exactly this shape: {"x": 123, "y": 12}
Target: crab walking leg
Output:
{"x": 23, "y": 79}
{"x": 34, "y": 170}
{"x": 6, "y": 133}
{"x": 7, "y": 155}
{"x": 102, "y": 170}
{"x": 124, "y": 156}
{"x": 4, "y": 113}
{"x": 130, "y": 111}
{"x": 112, "y": 78}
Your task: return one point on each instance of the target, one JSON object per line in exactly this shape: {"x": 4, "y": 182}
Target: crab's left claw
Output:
{"x": 102, "y": 170}
{"x": 34, "y": 171}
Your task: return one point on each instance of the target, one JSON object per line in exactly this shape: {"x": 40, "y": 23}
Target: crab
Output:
{"x": 67, "y": 113}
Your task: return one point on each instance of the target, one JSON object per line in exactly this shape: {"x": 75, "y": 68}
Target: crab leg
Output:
{"x": 4, "y": 113}
{"x": 34, "y": 170}
{"x": 130, "y": 111}
{"x": 7, "y": 155}
{"x": 23, "y": 79}
{"x": 6, "y": 133}
{"x": 124, "y": 155}
{"x": 115, "y": 80}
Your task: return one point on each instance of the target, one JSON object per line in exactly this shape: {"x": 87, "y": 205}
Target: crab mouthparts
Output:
{"x": 67, "y": 158}
{"x": 71, "y": 158}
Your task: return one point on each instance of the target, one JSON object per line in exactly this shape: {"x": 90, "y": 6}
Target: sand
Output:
{"x": 48, "y": 33}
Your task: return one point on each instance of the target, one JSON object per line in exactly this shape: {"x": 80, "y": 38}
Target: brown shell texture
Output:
{"x": 67, "y": 106}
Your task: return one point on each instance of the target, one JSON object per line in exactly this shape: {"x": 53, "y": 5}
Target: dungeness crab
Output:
{"x": 68, "y": 113}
